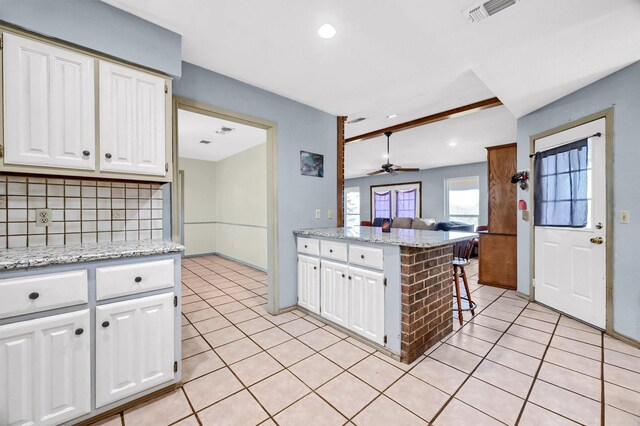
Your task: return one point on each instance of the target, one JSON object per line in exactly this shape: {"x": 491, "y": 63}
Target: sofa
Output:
{"x": 425, "y": 224}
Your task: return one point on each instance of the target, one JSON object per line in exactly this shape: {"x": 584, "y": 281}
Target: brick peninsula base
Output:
{"x": 427, "y": 298}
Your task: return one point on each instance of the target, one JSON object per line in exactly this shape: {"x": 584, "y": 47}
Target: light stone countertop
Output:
{"x": 23, "y": 258}
{"x": 397, "y": 237}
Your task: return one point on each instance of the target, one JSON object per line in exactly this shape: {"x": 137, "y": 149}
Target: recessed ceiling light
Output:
{"x": 327, "y": 31}
{"x": 453, "y": 143}
{"x": 392, "y": 116}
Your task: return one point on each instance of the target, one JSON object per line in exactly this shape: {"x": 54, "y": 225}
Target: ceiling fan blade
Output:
{"x": 407, "y": 169}
{"x": 377, "y": 172}
{"x": 392, "y": 172}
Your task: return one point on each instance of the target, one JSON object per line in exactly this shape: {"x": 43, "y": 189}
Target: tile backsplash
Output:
{"x": 81, "y": 210}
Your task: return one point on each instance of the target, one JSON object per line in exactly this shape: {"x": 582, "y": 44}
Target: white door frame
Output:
{"x": 608, "y": 116}
{"x": 179, "y": 103}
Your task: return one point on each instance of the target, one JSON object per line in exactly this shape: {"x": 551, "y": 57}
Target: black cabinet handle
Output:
{"x": 305, "y": 246}
{"x": 362, "y": 256}
{"x": 34, "y": 295}
{"x": 342, "y": 275}
{"x": 315, "y": 267}
{"x": 79, "y": 331}
{"x": 349, "y": 276}
{"x": 86, "y": 153}
{"x": 330, "y": 250}
{"x": 107, "y": 155}
{"x": 105, "y": 324}
{"x": 138, "y": 279}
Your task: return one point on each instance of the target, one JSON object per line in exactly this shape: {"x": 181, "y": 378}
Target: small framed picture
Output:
{"x": 311, "y": 164}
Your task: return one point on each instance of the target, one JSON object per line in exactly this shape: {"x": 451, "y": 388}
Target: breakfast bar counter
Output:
{"x": 393, "y": 289}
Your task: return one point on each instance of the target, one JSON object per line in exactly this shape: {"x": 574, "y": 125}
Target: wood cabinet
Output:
{"x": 309, "y": 283}
{"x": 51, "y": 101}
{"x": 134, "y": 346}
{"x": 366, "y": 303}
{"x": 497, "y": 250}
{"x": 334, "y": 291}
{"x": 132, "y": 120}
{"x": 45, "y": 370}
{"x": 48, "y": 105}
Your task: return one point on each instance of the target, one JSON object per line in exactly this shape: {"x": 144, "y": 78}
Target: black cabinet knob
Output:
{"x": 315, "y": 267}
{"x": 79, "y": 331}
{"x": 305, "y": 246}
{"x": 86, "y": 153}
{"x": 34, "y": 295}
{"x": 349, "y": 276}
{"x": 107, "y": 155}
{"x": 138, "y": 279}
{"x": 105, "y": 324}
{"x": 362, "y": 256}
{"x": 342, "y": 275}
{"x": 330, "y": 250}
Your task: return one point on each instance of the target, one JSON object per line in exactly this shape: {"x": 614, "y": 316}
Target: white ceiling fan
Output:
{"x": 390, "y": 168}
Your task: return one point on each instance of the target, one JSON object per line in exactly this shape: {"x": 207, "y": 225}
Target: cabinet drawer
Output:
{"x": 333, "y": 250}
{"x": 366, "y": 256}
{"x": 114, "y": 281}
{"x": 309, "y": 246}
{"x": 19, "y": 296}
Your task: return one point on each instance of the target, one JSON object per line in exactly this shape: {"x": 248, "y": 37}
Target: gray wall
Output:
{"x": 300, "y": 127}
{"x": 621, "y": 91}
{"x": 433, "y": 191}
{"x": 101, "y": 27}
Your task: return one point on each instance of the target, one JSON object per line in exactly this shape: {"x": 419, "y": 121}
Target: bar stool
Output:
{"x": 461, "y": 254}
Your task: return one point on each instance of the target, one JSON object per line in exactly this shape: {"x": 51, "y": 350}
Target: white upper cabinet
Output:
{"x": 132, "y": 120}
{"x": 49, "y": 105}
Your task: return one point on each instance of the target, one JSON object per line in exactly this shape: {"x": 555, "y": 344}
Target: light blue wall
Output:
{"x": 433, "y": 191}
{"x": 101, "y": 27}
{"x": 621, "y": 91}
{"x": 300, "y": 127}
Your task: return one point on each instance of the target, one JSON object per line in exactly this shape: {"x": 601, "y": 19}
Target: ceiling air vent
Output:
{"x": 205, "y": 142}
{"x": 482, "y": 11}
{"x": 224, "y": 130}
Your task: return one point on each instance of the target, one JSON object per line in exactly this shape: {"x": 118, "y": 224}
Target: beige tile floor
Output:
{"x": 514, "y": 363}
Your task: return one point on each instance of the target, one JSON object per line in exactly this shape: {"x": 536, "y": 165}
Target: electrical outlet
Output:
{"x": 117, "y": 214}
{"x": 625, "y": 216}
{"x": 43, "y": 217}
{"x": 318, "y": 214}
{"x": 330, "y": 214}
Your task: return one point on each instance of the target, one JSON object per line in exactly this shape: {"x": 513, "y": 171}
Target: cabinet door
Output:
{"x": 134, "y": 346}
{"x": 45, "y": 372}
{"x": 49, "y": 105}
{"x": 309, "y": 283}
{"x": 366, "y": 304}
{"x": 334, "y": 292}
{"x": 132, "y": 120}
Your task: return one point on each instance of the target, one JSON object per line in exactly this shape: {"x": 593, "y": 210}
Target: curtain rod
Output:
{"x": 595, "y": 135}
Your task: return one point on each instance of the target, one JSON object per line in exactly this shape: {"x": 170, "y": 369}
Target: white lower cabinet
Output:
{"x": 366, "y": 303}
{"x": 134, "y": 346}
{"x": 309, "y": 283}
{"x": 334, "y": 293}
{"x": 45, "y": 370}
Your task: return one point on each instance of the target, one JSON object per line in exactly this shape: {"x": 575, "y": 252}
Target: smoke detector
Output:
{"x": 224, "y": 130}
{"x": 356, "y": 120}
{"x": 480, "y": 12}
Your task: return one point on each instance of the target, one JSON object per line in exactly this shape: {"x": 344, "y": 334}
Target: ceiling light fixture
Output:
{"x": 392, "y": 116}
{"x": 453, "y": 143}
{"x": 327, "y": 31}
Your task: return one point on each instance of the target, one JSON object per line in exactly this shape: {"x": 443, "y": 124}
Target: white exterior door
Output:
{"x": 570, "y": 263}
{"x": 45, "y": 372}
{"x": 334, "y": 291}
{"x": 49, "y": 105}
{"x": 134, "y": 346}
{"x": 309, "y": 283}
{"x": 132, "y": 120}
{"x": 366, "y": 303}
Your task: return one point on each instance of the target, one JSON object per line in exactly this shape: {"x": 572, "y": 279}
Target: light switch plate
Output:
{"x": 625, "y": 216}
{"x": 43, "y": 217}
{"x": 525, "y": 215}
{"x": 330, "y": 214}
{"x": 318, "y": 214}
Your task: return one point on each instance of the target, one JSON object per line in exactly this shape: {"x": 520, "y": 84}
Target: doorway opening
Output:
{"x": 225, "y": 190}
{"x": 571, "y": 222}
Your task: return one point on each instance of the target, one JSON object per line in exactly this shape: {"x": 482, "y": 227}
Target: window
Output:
{"x": 463, "y": 199}
{"x": 352, "y": 206}
{"x": 396, "y": 200}
{"x": 382, "y": 204}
